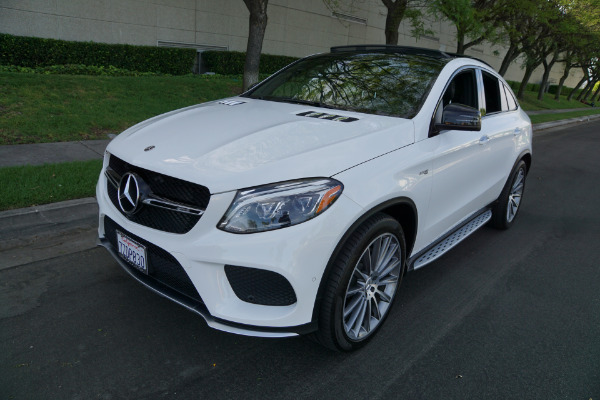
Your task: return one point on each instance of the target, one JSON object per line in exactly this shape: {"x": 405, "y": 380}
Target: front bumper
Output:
{"x": 299, "y": 254}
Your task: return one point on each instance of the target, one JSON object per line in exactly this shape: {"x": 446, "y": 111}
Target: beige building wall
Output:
{"x": 295, "y": 28}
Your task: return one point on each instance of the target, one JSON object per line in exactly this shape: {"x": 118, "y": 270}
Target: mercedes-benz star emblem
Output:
{"x": 129, "y": 193}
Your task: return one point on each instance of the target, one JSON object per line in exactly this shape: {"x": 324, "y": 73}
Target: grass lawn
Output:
{"x": 531, "y": 103}
{"x": 34, "y": 185}
{"x": 37, "y": 108}
{"x": 536, "y": 119}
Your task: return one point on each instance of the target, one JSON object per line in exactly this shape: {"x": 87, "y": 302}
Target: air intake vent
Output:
{"x": 330, "y": 117}
{"x": 259, "y": 286}
{"x": 231, "y": 102}
{"x": 350, "y": 18}
{"x": 182, "y": 45}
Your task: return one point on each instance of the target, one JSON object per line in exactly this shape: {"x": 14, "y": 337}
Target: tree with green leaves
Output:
{"x": 397, "y": 11}
{"x": 475, "y": 20}
{"x": 515, "y": 25}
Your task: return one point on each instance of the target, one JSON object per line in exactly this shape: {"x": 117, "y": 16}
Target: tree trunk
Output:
{"x": 585, "y": 90}
{"x": 570, "y": 97}
{"x": 510, "y": 56}
{"x": 472, "y": 43}
{"x": 563, "y": 78}
{"x": 460, "y": 42}
{"x": 395, "y": 14}
{"x": 590, "y": 90}
{"x": 256, "y": 34}
{"x": 528, "y": 72}
{"x": 547, "y": 68}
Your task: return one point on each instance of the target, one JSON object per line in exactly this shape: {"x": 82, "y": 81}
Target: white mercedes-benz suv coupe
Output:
{"x": 298, "y": 206}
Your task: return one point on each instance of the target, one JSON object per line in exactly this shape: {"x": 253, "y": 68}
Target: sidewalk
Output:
{"x": 51, "y": 153}
{"x": 538, "y": 112}
{"x": 67, "y": 227}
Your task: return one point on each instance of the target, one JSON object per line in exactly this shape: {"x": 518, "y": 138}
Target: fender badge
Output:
{"x": 149, "y": 148}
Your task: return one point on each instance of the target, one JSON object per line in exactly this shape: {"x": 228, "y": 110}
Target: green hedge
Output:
{"x": 36, "y": 52}
{"x": 232, "y": 62}
{"x": 534, "y": 87}
{"x": 77, "y": 69}
{"x": 531, "y": 87}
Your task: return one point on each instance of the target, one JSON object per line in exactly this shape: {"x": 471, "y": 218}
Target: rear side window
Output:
{"x": 493, "y": 98}
{"x": 512, "y": 103}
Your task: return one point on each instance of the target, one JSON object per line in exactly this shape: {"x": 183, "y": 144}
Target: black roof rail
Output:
{"x": 403, "y": 50}
{"x": 391, "y": 49}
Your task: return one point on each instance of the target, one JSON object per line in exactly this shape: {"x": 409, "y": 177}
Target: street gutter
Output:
{"x": 71, "y": 226}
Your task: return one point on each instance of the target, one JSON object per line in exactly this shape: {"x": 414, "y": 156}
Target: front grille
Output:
{"x": 259, "y": 286}
{"x": 164, "y": 186}
{"x": 162, "y": 266}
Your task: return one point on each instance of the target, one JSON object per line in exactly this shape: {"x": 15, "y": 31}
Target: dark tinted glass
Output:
{"x": 491, "y": 88}
{"x": 462, "y": 90}
{"x": 377, "y": 83}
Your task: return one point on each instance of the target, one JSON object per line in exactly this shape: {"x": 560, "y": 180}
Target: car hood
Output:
{"x": 240, "y": 142}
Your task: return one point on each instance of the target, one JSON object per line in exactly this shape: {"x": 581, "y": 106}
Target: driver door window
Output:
{"x": 462, "y": 89}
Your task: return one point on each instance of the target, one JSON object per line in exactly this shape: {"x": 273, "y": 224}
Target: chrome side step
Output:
{"x": 452, "y": 240}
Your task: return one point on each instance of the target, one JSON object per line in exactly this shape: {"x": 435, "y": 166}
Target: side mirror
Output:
{"x": 460, "y": 117}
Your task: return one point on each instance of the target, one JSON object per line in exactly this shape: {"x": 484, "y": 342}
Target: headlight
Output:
{"x": 279, "y": 205}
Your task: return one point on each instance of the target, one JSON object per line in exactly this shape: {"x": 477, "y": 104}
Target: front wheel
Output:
{"x": 508, "y": 205}
{"x": 362, "y": 284}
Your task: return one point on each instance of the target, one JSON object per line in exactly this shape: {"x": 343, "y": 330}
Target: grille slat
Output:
{"x": 162, "y": 266}
{"x": 164, "y": 186}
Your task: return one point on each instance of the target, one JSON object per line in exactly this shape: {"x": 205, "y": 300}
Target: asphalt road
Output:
{"x": 505, "y": 315}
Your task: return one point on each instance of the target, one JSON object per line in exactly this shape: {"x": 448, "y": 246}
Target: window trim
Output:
{"x": 506, "y": 87}
{"x": 475, "y": 68}
{"x": 499, "y": 81}
{"x": 509, "y": 92}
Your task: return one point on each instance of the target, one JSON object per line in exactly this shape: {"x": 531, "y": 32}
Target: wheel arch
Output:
{"x": 401, "y": 209}
{"x": 525, "y": 156}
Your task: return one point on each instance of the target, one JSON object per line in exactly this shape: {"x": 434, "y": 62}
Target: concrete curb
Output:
{"x": 70, "y": 226}
{"x": 47, "y": 231}
{"x": 564, "y": 122}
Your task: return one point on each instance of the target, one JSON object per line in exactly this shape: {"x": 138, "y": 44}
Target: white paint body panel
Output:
{"x": 225, "y": 148}
{"x": 230, "y": 147}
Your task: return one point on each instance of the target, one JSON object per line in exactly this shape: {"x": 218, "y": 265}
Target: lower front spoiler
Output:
{"x": 200, "y": 309}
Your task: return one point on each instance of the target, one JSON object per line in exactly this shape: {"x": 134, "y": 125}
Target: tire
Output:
{"x": 353, "y": 291}
{"x": 506, "y": 208}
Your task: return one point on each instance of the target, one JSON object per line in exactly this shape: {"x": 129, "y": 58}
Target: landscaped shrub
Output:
{"x": 232, "y": 62}
{"x": 534, "y": 87}
{"x": 36, "y": 52}
{"x": 78, "y": 69}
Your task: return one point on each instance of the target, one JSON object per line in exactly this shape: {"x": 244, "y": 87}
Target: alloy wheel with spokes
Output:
{"x": 516, "y": 192}
{"x": 372, "y": 286}
{"x": 506, "y": 208}
{"x": 362, "y": 284}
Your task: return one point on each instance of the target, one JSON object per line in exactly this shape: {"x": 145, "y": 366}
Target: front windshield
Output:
{"x": 377, "y": 83}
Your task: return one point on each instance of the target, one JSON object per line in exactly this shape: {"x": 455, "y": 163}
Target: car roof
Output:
{"x": 409, "y": 50}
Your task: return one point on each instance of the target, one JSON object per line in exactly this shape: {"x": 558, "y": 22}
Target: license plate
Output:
{"x": 133, "y": 252}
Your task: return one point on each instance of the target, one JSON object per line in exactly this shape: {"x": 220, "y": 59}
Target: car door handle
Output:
{"x": 484, "y": 139}
{"x": 517, "y": 131}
